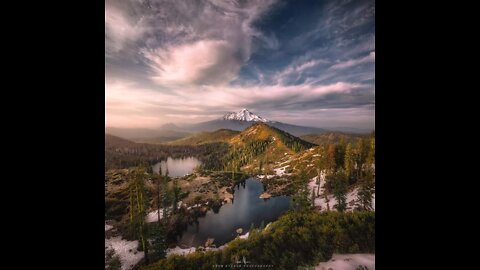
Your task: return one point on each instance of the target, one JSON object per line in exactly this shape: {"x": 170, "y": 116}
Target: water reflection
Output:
{"x": 177, "y": 166}
{"x": 247, "y": 208}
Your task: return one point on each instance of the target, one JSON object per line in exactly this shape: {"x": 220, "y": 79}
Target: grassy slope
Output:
{"x": 332, "y": 137}
{"x": 278, "y": 144}
{"x": 115, "y": 141}
{"x": 221, "y": 135}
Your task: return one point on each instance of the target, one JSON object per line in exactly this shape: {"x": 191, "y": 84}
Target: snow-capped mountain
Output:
{"x": 244, "y": 115}
{"x": 244, "y": 119}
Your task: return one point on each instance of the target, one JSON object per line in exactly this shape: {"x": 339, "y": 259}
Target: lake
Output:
{"x": 247, "y": 208}
{"x": 177, "y": 166}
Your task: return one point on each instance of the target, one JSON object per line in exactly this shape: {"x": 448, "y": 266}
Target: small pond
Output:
{"x": 177, "y": 166}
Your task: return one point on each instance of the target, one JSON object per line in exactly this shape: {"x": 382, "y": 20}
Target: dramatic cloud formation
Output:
{"x": 185, "y": 61}
{"x": 203, "y": 62}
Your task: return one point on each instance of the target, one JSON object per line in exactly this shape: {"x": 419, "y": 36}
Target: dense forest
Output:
{"x": 301, "y": 237}
{"x": 120, "y": 153}
{"x": 221, "y": 135}
{"x": 329, "y": 137}
{"x": 298, "y": 238}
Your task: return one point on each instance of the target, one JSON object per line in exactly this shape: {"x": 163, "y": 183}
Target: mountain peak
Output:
{"x": 244, "y": 115}
{"x": 169, "y": 125}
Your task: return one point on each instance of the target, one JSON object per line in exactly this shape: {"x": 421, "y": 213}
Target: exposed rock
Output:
{"x": 209, "y": 242}
{"x": 265, "y": 195}
{"x": 239, "y": 230}
{"x": 228, "y": 198}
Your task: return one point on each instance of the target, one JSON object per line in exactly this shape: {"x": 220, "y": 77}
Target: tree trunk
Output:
{"x": 158, "y": 199}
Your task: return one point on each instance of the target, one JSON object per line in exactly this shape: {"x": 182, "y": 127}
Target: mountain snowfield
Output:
{"x": 244, "y": 115}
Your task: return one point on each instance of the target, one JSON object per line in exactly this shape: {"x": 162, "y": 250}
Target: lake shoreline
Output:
{"x": 232, "y": 216}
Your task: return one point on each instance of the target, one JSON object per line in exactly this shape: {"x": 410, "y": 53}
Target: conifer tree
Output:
{"x": 319, "y": 181}
{"x": 176, "y": 195}
{"x": 371, "y": 153}
{"x": 159, "y": 243}
{"x": 365, "y": 192}
{"x": 313, "y": 197}
{"x": 331, "y": 158}
{"x": 340, "y": 190}
{"x": 349, "y": 160}
{"x": 138, "y": 201}
{"x": 112, "y": 260}
{"x": 159, "y": 202}
{"x": 166, "y": 195}
{"x": 301, "y": 199}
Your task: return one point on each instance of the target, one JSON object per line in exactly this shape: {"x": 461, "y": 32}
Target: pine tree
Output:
{"x": 138, "y": 200}
{"x": 327, "y": 200}
{"x": 319, "y": 181}
{"x": 159, "y": 180}
{"x": 340, "y": 152}
{"x": 159, "y": 243}
{"x": 360, "y": 156}
{"x": 165, "y": 196}
{"x": 176, "y": 195}
{"x": 371, "y": 153}
{"x": 349, "y": 160}
{"x": 301, "y": 200}
{"x": 313, "y": 197}
{"x": 112, "y": 260}
{"x": 331, "y": 158}
{"x": 365, "y": 192}
{"x": 340, "y": 190}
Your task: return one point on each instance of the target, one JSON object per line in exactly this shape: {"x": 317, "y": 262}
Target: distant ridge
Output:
{"x": 243, "y": 119}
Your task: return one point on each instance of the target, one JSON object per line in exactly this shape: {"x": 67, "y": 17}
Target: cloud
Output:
{"x": 296, "y": 69}
{"x": 201, "y": 42}
{"x": 120, "y": 29}
{"x": 355, "y": 62}
{"x": 202, "y": 62}
{"x": 190, "y": 61}
{"x": 126, "y": 100}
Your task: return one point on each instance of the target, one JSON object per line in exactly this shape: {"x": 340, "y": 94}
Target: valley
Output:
{"x": 193, "y": 189}
{"x": 240, "y": 134}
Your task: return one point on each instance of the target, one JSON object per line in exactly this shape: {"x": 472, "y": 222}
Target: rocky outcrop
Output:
{"x": 265, "y": 195}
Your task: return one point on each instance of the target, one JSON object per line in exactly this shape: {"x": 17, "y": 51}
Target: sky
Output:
{"x": 306, "y": 62}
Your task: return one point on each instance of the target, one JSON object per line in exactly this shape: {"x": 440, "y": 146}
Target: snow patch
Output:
{"x": 180, "y": 251}
{"x": 267, "y": 176}
{"x": 280, "y": 171}
{"x": 348, "y": 262}
{"x": 122, "y": 249}
{"x": 320, "y": 201}
{"x": 153, "y": 216}
{"x": 108, "y": 227}
{"x": 244, "y": 236}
